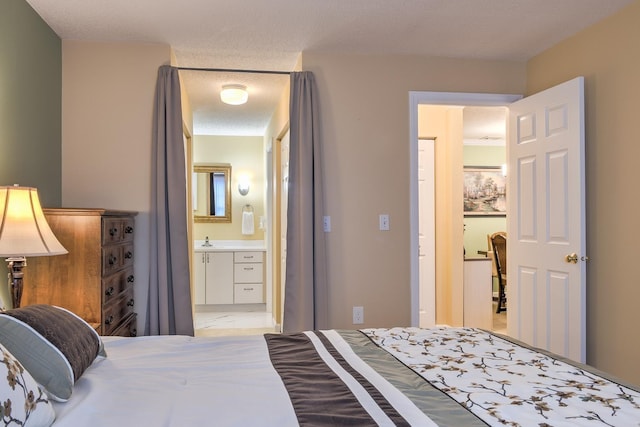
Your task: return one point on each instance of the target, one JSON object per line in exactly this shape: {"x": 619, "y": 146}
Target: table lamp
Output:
{"x": 24, "y": 232}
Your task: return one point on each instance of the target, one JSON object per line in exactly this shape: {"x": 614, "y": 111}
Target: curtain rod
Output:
{"x": 234, "y": 70}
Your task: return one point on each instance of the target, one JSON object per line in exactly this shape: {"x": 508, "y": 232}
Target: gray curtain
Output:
{"x": 306, "y": 294}
{"x": 169, "y": 304}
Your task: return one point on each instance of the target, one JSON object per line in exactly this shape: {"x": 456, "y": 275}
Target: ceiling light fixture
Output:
{"x": 234, "y": 94}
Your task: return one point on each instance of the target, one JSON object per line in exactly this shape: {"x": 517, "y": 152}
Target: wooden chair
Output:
{"x": 491, "y": 255}
{"x": 499, "y": 244}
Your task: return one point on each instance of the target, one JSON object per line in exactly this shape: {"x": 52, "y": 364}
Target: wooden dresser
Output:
{"x": 95, "y": 279}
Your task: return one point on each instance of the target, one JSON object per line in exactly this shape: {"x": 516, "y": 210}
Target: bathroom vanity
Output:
{"x": 229, "y": 272}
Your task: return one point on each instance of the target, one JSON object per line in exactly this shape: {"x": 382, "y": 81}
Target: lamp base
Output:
{"x": 15, "y": 278}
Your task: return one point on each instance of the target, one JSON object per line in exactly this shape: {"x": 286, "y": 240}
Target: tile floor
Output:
{"x": 218, "y": 323}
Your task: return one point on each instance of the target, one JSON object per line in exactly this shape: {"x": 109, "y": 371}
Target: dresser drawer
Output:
{"x": 127, "y": 255}
{"x": 116, "y": 257}
{"x": 114, "y": 313}
{"x": 114, "y": 285}
{"x": 117, "y": 230}
{"x": 111, "y": 259}
{"x": 247, "y": 273}
{"x": 128, "y": 327}
{"x": 247, "y": 294}
{"x": 247, "y": 257}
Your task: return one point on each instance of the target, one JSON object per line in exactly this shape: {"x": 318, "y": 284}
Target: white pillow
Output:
{"x": 22, "y": 402}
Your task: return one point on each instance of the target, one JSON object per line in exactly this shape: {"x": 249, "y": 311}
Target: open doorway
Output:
{"x": 240, "y": 260}
{"x": 545, "y": 151}
{"x": 230, "y": 251}
{"x": 447, "y": 305}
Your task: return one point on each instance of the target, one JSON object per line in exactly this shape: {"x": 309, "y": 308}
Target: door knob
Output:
{"x": 572, "y": 258}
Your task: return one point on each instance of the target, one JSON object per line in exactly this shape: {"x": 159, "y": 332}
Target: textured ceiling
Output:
{"x": 484, "y": 125}
{"x": 260, "y": 34}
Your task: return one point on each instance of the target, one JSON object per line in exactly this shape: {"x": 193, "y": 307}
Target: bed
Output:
{"x": 398, "y": 376}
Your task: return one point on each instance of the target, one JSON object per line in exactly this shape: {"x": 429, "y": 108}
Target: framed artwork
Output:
{"x": 484, "y": 191}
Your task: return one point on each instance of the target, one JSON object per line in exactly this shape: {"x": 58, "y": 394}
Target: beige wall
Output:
{"x": 444, "y": 123}
{"x": 364, "y": 115}
{"x": 607, "y": 54}
{"x": 107, "y": 109}
{"x": 245, "y": 154}
{"x": 277, "y": 129}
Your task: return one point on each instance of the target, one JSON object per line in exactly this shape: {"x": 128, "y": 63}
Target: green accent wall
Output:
{"x": 30, "y": 102}
{"x": 30, "y": 108}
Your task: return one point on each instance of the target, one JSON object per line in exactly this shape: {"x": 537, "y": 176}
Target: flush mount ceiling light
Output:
{"x": 234, "y": 94}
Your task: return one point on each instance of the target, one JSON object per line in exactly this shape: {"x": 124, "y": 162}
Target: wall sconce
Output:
{"x": 243, "y": 186}
{"x": 24, "y": 232}
{"x": 234, "y": 94}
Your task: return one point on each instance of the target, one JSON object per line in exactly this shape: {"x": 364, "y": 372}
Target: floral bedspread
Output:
{"x": 507, "y": 384}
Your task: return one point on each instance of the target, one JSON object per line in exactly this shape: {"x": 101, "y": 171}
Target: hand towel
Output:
{"x": 247, "y": 223}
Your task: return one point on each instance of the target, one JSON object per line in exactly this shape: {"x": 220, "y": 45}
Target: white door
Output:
{"x": 426, "y": 231}
{"x": 546, "y": 266}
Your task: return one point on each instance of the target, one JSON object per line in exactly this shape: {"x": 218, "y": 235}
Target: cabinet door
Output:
{"x": 200, "y": 276}
{"x": 478, "y": 293}
{"x": 219, "y": 278}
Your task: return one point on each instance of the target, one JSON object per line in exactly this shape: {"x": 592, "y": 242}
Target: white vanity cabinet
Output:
{"x": 248, "y": 277}
{"x": 214, "y": 278}
{"x": 229, "y": 277}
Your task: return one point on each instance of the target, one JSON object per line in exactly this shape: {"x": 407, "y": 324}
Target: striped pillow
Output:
{"x": 53, "y": 344}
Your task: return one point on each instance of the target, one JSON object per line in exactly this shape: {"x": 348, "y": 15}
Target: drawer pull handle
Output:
{"x": 128, "y": 255}
{"x": 112, "y": 259}
{"x": 113, "y": 231}
{"x": 108, "y": 320}
{"x": 128, "y": 229}
{"x": 248, "y": 289}
{"x": 130, "y": 303}
{"x": 109, "y": 291}
{"x": 130, "y": 279}
{"x": 248, "y": 269}
{"x": 248, "y": 257}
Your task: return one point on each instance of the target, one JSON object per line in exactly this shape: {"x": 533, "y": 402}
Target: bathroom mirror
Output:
{"x": 212, "y": 192}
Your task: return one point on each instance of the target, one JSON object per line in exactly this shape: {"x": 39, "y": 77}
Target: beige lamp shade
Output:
{"x": 24, "y": 230}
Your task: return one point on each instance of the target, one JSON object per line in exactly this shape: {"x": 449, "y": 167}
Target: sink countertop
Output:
{"x": 230, "y": 245}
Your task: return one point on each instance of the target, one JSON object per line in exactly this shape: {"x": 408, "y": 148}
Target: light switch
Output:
{"x": 384, "y": 222}
{"x": 326, "y": 223}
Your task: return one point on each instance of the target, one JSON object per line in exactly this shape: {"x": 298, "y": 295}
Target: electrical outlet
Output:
{"x": 358, "y": 315}
{"x": 326, "y": 223}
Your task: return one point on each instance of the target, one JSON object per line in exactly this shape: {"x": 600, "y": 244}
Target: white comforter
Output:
{"x": 154, "y": 382}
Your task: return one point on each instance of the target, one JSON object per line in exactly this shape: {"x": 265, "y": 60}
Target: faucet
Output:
{"x": 206, "y": 241}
